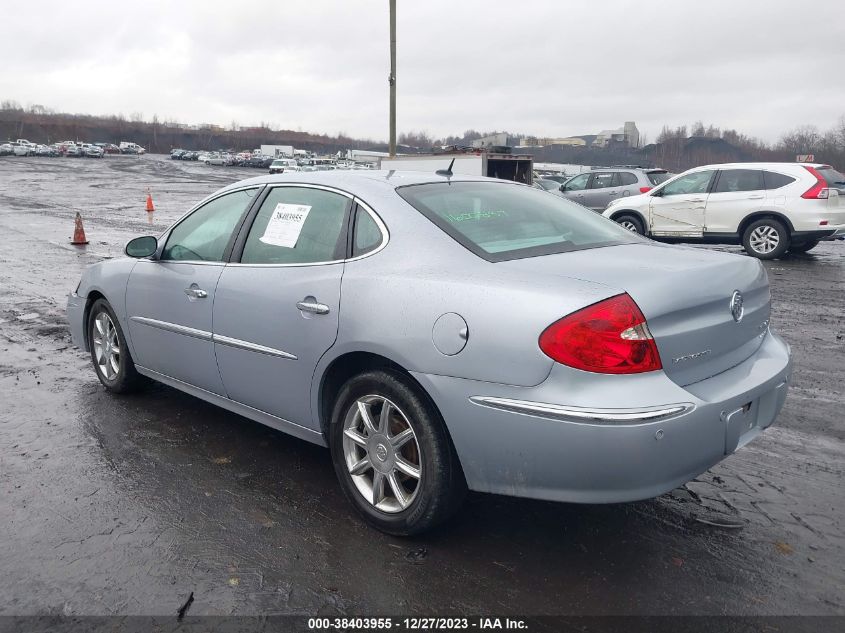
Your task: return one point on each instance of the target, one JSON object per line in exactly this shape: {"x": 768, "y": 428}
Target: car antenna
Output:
{"x": 446, "y": 172}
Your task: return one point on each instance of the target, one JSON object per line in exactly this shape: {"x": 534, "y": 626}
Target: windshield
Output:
{"x": 657, "y": 177}
{"x": 502, "y": 221}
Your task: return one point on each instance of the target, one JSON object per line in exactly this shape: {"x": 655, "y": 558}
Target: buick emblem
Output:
{"x": 736, "y": 306}
{"x": 381, "y": 452}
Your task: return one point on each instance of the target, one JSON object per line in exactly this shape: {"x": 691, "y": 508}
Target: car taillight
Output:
{"x": 818, "y": 191}
{"x": 645, "y": 189}
{"x": 609, "y": 337}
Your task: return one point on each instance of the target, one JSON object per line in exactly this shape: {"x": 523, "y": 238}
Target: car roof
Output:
{"x": 780, "y": 165}
{"x": 361, "y": 181}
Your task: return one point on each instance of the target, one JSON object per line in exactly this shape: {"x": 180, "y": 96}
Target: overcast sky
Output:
{"x": 543, "y": 67}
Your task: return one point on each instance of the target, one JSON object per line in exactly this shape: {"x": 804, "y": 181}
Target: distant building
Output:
{"x": 627, "y": 135}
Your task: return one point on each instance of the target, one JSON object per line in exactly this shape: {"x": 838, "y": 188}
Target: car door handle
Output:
{"x": 756, "y": 197}
{"x": 313, "y": 307}
{"x": 697, "y": 200}
{"x": 196, "y": 293}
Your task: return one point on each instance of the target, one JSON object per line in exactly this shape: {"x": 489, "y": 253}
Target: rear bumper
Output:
{"x": 567, "y": 440}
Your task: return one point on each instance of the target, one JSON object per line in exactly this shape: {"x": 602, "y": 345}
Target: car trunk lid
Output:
{"x": 686, "y": 295}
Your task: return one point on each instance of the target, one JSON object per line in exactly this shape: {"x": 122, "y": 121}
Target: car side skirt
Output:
{"x": 291, "y": 428}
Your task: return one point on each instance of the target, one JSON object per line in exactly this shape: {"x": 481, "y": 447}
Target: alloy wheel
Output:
{"x": 764, "y": 239}
{"x": 629, "y": 224}
{"x": 106, "y": 346}
{"x": 382, "y": 453}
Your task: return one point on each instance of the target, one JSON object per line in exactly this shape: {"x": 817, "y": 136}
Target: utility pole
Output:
{"x": 392, "y": 78}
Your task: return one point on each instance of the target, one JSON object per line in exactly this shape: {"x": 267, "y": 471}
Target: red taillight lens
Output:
{"x": 818, "y": 191}
{"x": 645, "y": 189}
{"x": 609, "y": 337}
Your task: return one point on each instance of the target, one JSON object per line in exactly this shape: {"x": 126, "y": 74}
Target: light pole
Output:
{"x": 392, "y": 78}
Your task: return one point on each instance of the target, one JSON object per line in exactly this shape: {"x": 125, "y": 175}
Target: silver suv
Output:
{"x": 597, "y": 188}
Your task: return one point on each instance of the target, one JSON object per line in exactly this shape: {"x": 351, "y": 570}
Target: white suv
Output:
{"x": 769, "y": 208}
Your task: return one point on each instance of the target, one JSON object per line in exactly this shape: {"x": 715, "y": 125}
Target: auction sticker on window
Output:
{"x": 285, "y": 224}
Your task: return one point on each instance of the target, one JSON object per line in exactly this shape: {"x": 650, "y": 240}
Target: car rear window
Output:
{"x": 657, "y": 177}
{"x": 503, "y": 221}
{"x": 832, "y": 177}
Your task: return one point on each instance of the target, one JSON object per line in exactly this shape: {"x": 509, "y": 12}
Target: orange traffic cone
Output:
{"x": 78, "y": 231}
{"x": 150, "y": 206}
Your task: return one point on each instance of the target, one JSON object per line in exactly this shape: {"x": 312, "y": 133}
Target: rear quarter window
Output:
{"x": 774, "y": 180}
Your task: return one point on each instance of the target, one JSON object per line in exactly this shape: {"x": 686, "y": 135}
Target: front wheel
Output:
{"x": 766, "y": 239}
{"x": 803, "y": 247}
{"x": 631, "y": 222}
{"x": 392, "y": 454}
{"x": 109, "y": 352}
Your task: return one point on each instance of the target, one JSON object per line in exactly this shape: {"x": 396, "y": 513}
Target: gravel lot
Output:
{"x": 126, "y": 505}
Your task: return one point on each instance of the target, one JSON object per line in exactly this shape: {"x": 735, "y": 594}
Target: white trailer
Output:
{"x": 277, "y": 151}
{"x": 517, "y": 167}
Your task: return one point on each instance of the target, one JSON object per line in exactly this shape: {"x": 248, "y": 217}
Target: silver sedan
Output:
{"x": 442, "y": 333}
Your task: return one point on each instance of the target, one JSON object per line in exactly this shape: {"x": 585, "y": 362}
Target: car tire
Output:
{"x": 630, "y": 222}
{"x": 767, "y": 238}
{"x": 399, "y": 488}
{"x": 803, "y": 247}
{"x": 115, "y": 370}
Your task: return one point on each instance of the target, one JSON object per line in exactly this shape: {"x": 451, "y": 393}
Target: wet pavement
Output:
{"x": 126, "y": 505}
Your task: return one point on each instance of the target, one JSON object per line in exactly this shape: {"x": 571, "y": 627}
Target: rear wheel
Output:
{"x": 631, "y": 222}
{"x": 392, "y": 454}
{"x": 803, "y": 247}
{"x": 109, "y": 352}
{"x": 767, "y": 238}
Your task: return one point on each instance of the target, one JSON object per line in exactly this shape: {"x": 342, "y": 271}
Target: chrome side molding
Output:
{"x": 251, "y": 347}
{"x": 209, "y": 336}
{"x": 173, "y": 327}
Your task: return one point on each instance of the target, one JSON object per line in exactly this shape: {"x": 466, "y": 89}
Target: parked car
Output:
{"x": 73, "y": 150}
{"x": 46, "y": 150}
{"x": 596, "y": 189}
{"x": 177, "y": 154}
{"x": 6, "y": 149}
{"x": 546, "y": 185}
{"x": 23, "y": 149}
{"x": 769, "y": 208}
{"x": 278, "y": 166}
{"x": 559, "y": 179}
{"x": 219, "y": 159}
{"x": 259, "y": 162}
{"x": 645, "y": 366}
{"x": 108, "y": 148}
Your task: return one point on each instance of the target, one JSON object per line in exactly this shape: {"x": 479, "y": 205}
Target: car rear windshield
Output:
{"x": 504, "y": 221}
{"x": 832, "y": 177}
{"x": 656, "y": 177}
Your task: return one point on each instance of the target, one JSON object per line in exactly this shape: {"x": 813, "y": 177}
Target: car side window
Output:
{"x": 367, "y": 236}
{"x": 627, "y": 178}
{"x": 205, "y": 233}
{"x": 736, "y": 180}
{"x": 691, "y": 183}
{"x": 578, "y": 183}
{"x": 298, "y": 225}
{"x": 775, "y": 180}
{"x": 602, "y": 180}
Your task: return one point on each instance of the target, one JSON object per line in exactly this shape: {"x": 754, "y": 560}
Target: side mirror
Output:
{"x": 142, "y": 246}
{"x": 657, "y": 193}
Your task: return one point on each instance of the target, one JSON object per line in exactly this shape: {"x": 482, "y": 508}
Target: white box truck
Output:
{"x": 517, "y": 167}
